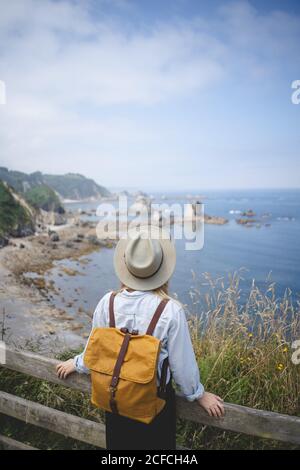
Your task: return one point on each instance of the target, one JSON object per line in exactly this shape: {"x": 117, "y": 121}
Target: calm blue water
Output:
{"x": 269, "y": 251}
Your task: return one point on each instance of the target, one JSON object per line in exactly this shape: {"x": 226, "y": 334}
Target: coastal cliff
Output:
{"x": 17, "y": 217}
{"x": 47, "y": 191}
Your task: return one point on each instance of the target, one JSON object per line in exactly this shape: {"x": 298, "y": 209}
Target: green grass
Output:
{"x": 244, "y": 354}
{"x": 52, "y": 395}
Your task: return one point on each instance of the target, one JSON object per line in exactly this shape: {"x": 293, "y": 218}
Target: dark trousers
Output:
{"x": 124, "y": 433}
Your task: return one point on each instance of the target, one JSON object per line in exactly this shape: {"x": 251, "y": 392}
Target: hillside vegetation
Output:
{"x": 16, "y": 217}
{"x": 75, "y": 186}
{"x": 69, "y": 186}
{"x": 45, "y": 198}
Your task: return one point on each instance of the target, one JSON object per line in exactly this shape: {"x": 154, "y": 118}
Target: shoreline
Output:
{"x": 30, "y": 314}
{"x": 28, "y": 318}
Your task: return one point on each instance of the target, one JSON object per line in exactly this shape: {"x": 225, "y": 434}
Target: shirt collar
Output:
{"x": 135, "y": 293}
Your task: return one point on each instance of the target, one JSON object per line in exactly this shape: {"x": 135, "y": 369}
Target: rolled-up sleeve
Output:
{"x": 79, "y": 364}
{"x": 98, "y": 320}
{"x": 182, "y": 358}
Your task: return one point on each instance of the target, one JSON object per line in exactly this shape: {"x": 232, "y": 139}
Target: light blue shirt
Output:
{"x": 134, "y": 310}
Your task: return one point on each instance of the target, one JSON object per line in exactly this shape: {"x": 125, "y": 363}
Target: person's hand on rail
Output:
{"x": 212, "y": 404}
{"x": 63, "y": 369}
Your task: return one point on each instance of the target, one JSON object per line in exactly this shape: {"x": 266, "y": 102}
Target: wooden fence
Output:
{"x": 237, "y": 418}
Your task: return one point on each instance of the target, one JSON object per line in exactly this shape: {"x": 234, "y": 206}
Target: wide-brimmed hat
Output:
{"x": 146, "y": 259}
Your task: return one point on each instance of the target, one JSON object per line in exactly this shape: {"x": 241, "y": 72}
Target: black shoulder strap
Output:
{"x": 163, "y": 378}
{"x": 156, "y": 316}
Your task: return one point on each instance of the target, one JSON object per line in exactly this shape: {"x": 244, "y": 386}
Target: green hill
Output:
{"x": 16, "y": 216}
{"x": 75, "y": 186}
{"x": 69, "y": 186}
{"x": 21, "y": 182}
{"x": 43, "y": 197}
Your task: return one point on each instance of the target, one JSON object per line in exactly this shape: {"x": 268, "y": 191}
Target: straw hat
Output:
{"x": 146, "y": 259}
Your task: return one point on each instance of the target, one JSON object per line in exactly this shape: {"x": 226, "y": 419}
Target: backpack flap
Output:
{"x": 140, "y": 362}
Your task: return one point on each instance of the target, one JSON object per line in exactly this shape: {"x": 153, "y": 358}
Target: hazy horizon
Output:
{"x": 172, "y": 190}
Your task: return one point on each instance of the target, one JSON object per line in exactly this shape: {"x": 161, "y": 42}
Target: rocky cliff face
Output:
{"x": 17, "y": 217}
{"x": 50, "y": 218}
{"x": 43, "y": 197}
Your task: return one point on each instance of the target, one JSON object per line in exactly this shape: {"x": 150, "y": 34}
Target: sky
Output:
{"x": 155, "y": 95}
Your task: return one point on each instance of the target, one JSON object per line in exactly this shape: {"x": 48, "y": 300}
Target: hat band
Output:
{"x": 150, "y": 275}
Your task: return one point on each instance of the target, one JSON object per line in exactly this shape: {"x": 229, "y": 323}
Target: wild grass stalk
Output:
{"x": 243, "y": 348}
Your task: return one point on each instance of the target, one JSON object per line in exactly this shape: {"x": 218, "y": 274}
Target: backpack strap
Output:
{"x": 163, "y": 378}
{"x": 156, "y": 316}
{"x": 165, "y": 364}
{"x": 112, "y": 322}
{"x": 116, "y": 373}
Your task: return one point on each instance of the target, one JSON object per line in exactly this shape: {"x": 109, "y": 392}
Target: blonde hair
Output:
{"x": 162, "y": 291}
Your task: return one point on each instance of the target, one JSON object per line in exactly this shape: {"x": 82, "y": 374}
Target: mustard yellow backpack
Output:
{"x": 123, "y": 369}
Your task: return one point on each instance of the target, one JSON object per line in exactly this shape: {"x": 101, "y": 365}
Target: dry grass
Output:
{"x": 244, "y": 348}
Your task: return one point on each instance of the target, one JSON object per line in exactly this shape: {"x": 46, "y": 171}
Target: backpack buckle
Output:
{"x": 126, "y": 330}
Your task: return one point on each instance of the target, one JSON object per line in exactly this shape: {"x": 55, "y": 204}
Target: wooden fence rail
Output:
{"x": 237, "y": 418}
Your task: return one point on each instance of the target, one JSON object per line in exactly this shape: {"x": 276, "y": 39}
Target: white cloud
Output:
{"x": 64, "y": 68}
{"x": 108, "y": 66}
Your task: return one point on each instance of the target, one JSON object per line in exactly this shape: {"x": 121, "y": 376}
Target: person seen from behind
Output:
{"x": 144, "y": 264}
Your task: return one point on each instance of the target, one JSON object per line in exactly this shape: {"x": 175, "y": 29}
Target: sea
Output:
{"x": 266, "y": 252}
